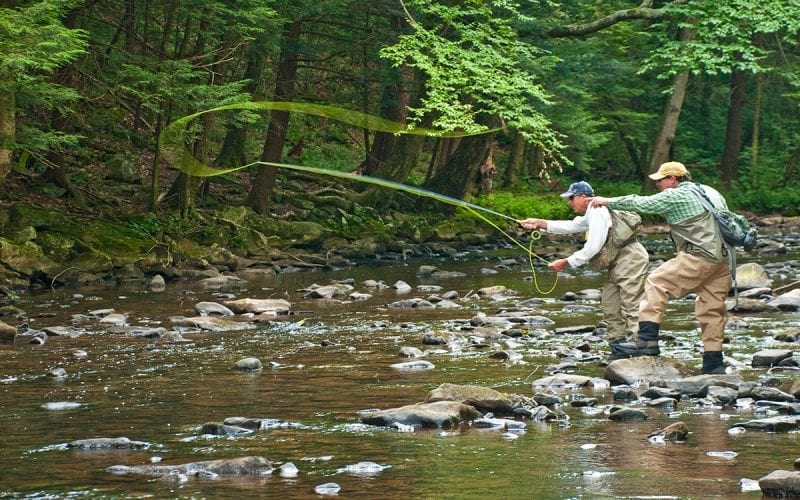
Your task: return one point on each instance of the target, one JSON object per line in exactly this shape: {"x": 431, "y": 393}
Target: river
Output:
{"x": 328, "y": 361}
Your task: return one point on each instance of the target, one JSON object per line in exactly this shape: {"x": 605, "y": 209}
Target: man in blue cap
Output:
{"x": 611, "y": 244}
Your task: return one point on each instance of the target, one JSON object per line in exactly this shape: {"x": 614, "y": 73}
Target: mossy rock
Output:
{"x": 25, "y": 259}
{"x": 279, "y": 233}
{"x": 56, "y": 246}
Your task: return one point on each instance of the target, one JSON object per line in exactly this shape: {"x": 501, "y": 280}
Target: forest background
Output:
{"x": 526, "y": 96}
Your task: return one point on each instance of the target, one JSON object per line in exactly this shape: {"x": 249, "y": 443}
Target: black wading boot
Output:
{"x": 712, "y": 363}
{"x": 648, "y": 339}
{"x": 621, "y": 348}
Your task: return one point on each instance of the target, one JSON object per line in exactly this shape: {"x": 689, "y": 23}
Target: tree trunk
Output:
{"x": 7, "y": 133}
{"x": 672, "y": 110}
{"x": 260, "y": 197}
{"x": 459, "y": 177}
{"x": 729, "y": 164}
{"x": 791, "y": 166}
{"x": 534, "y": 160}
{"x": 515, "y": 160}
{"x": 232, "y": 152}
{"x": 754, "y": 140}
{"x": 395, "y": 100}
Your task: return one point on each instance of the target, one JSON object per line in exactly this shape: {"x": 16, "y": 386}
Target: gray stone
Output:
{"x": 770, "y": 357}
{"x": 212, "y": 309}
{"x": 627, "y": 415}
{"x": 248, "y": 364}
{"x": 484, "y": 399}
{"x": 789, "y": 301}
{"x": 213, "y": 324}
{"x": 652, "y": 369}
{"x": 119, "y": 443}
{"x": 772, "y": 424}
{"x": 259, "y": 306}
{"x": 438, "y": 414}
{"x": 225, "y": 467}
{"x": 781, "y": 484}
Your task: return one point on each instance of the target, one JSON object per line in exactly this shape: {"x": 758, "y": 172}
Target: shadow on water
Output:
{"x": 322, "y": 366}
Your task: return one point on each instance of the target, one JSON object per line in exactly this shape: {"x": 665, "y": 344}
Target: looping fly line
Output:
{"x": 172, "y": 145}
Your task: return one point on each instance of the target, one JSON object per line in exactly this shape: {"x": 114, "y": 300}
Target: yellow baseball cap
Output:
{"x": 670, "y": 169}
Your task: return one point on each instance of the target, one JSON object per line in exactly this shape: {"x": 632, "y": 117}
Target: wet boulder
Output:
{"x": 652, "y": 369}
{"x": 212, "y": 324}
{"x": 766, "y": 358}
{"x": 698, "y": 385}
{"x": 437, "y": 414}
{"x": 561, "y": 380}
{"x": 212, "y": 309}
{"x": 248, "y": 365}
{"x": 627, "y": 415}
{"x": 484, "y": 399}
{"x": 259, "y": 306}
{"x": 772, "y": 424}
{"x": 789, "y": 301}
{"x": 781, "y": 484}
{"x": 795, "y": 390}
{"x": 751, "y": 275}
{"x": 218, "y": 429}
{"x": 7, "y": 333}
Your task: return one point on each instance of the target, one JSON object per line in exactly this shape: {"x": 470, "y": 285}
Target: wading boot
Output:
{"x": 648, "y": 339}
{"x": 621, "y": 348}
{"x": 712, "y": 363}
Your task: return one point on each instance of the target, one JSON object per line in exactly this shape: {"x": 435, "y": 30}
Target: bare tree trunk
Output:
{"x": 515, "y": 158}
{"x": 534, "y": 159}
{"x": 672, "y": 110}
{"x": 791, "y": 165}
{"x": 729, "y": 164}
{"x": 395, "y": 101}
{"x": 754, "y": 140}
{"x": 459, "y": 177}
{"x": 7, "y": 133}
{"x": 260, "y": 197}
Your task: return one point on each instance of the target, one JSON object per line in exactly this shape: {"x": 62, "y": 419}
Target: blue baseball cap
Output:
{"x": 581, "y": 187}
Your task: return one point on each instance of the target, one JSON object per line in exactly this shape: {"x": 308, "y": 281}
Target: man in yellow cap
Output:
{"x": 611, "y": 245}
{"x": 700, "y": 264}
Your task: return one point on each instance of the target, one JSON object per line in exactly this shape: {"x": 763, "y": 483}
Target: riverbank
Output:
{"x": 46, "y": 248}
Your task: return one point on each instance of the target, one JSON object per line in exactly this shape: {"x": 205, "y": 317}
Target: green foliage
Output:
{"x": 474, "y": 63}
{"x": 549, "y": 206}
{"x": 35, "y": 44}
{"x": 727, "y": 35}
{"x": 782, "y": 200}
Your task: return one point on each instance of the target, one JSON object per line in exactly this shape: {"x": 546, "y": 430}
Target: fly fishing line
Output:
{"x": 172, "y": 144}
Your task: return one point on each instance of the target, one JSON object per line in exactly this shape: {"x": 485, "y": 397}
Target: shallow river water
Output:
{"x": 325, "y": 363}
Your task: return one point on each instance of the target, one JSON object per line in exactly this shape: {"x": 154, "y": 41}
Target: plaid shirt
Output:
{"x": 676, "y": 204}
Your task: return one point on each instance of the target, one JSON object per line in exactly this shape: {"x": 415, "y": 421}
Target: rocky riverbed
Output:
{"x": 353, "y": 380}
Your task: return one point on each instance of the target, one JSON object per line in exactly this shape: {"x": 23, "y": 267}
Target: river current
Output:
{"x": 328, "y": 361}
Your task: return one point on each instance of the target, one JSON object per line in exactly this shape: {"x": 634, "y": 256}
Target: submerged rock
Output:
{"x": 119, "y": 443}
{"x": 225, "y": 467}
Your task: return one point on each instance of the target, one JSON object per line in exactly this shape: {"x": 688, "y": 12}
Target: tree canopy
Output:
{"x": 595, "y": 90}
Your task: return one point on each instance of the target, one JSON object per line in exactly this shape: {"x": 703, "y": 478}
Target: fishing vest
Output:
{"x": 699, "y": 236}
{"x": 623, "y": 230}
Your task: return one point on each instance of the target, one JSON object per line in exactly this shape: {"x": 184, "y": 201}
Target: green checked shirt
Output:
{"x": 676, "y": 204}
